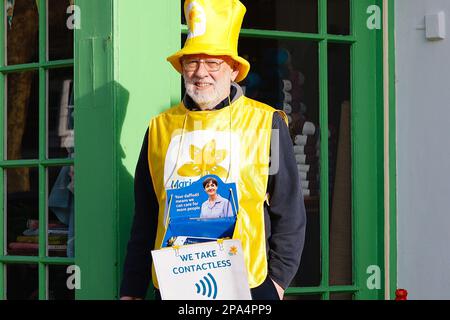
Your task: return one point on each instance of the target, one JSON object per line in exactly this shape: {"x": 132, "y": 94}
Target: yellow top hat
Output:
{"x": 214, "y": 27}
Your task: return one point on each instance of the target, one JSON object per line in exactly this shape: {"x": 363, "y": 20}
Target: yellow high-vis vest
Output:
{"x": 232, "y": 143}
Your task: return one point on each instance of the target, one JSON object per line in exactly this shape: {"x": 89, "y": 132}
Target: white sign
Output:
{"x": 203, "y": 271}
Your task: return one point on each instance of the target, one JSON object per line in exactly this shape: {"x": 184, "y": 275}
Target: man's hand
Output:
{"x": 280, "y": 290}
{"x": 129, "y": 298}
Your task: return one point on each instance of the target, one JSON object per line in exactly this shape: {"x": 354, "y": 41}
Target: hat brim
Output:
{"x": 244, "y": 65}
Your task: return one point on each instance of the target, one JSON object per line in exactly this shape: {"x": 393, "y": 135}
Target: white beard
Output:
{"x": 208, "y": 100}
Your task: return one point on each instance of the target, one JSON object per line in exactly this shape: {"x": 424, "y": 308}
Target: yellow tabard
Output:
{"x": 232, "y": 143}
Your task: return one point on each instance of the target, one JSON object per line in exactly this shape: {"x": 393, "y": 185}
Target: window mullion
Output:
{"x": 2, "y": 282}
{"x": 2, "y": 226}
{"x": 42, "y": 114}
{"x": 36, "y": 65}
{"x": 42, "y": 231}
{"x": 20, "y": 67}
{"x": 2, "y": 185}
{"x": 42, "y": 32}
{"x": 289, "y": 35}
{"x": 42, "y": 80}
{"x": 36, "y": 259}
{"x": 42, "y": 148}
{"x": 280, "y": 35}
{"x": 352, "y": 24}
{"x": 42, "y": 212}
{"x": 323, "y": 159}
{"x": 42, "y": 168}
{"x": 2, "y": 34}
{"x": 321, "y": 290}
{"x": 43, "y": 281}
{"x": 323, "y": 17}
{"x": 323, "y": 162}
{"x": 58, "y": 64}
{"x": 2, "y": 206}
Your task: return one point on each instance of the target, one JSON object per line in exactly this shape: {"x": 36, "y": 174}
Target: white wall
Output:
{"x": 423, "y": 152}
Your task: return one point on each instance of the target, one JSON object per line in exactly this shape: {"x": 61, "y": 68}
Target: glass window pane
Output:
{"x": 23, "y": 115}
{"x": 60, "y": 37}
{"x": 341, "y": 296}
{"x": 60, "y": 113}
{"x": 303, "y": 297}
{"x": 22, "y": 211}
{"x": 284, "y": 15}
{"x": 22, "y": 31}
{"x": 340, "y": 165}
{"x": 22, "y": 282}
{"x": 57, "y": 284}
{"x": 284, "y": 74}
{"x": 339, "y": 17}
{"x": 60, "y": 227}
{"x": 309, "y": 273}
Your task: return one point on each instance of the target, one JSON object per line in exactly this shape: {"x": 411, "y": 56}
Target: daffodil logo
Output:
{"x": 204, "y": 161}
{"x": 201, "y": 152}
{"x": 233, "y": 251}
{"x": 196, "y": 19}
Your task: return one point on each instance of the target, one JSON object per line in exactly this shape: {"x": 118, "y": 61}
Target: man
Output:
{"x": 217, "y": 130}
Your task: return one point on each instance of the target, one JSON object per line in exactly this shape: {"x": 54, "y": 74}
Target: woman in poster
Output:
{"x": 215, "y": 206}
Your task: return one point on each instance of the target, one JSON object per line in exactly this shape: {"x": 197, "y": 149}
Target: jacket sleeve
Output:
{"x": 137, "y": 267}
{"x": 286, "y": 208}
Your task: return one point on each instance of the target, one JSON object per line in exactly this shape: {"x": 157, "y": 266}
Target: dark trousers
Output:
{"x": 265, "y": 291}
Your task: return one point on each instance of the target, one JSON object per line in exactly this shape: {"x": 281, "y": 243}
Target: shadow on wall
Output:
{"x": 103, "y": 155}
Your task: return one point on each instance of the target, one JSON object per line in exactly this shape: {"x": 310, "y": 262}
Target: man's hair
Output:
{"x": 208, "y": 180}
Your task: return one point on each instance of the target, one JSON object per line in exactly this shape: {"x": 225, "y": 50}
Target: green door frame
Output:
{"x": 112, "y": 59}
{"x": 375, "y": 246}
{"x": 367, "y": 132}
{"x": 96, "y": 203}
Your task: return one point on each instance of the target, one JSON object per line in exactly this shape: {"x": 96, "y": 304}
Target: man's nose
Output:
{"x": 201, "y": 71}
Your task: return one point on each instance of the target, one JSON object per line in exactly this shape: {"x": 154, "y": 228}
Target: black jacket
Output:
{"x": 285, "y": 218}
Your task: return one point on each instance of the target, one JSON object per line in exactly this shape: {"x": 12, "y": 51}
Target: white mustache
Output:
{"x": 199, "y": 82}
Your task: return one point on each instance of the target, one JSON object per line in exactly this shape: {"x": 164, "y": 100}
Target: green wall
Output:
{"x": 146, "y": 83}
{"x": 122, "y": 80}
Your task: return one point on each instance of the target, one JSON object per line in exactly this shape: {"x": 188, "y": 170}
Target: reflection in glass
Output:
{"x": 341, "y": 296}
{"x": 22, "y": 116}
{"x": 22, "y": 282}
{"x": 340, "y": 165}
{"x": 284, "y": 15}
{"x": 22, "y": 31}
{"x": 309, "y": 273}
{"x": 60, "y": 113}
{"x": 22, "y": 213}
{"x": 60, "y": 227}
{"x": 339, "y": 17}
{"x": 57, "y": 283}
{"x": 284, "y": 74}
{"x": 60, "y": 36}
{"x": 303, "y": 297}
